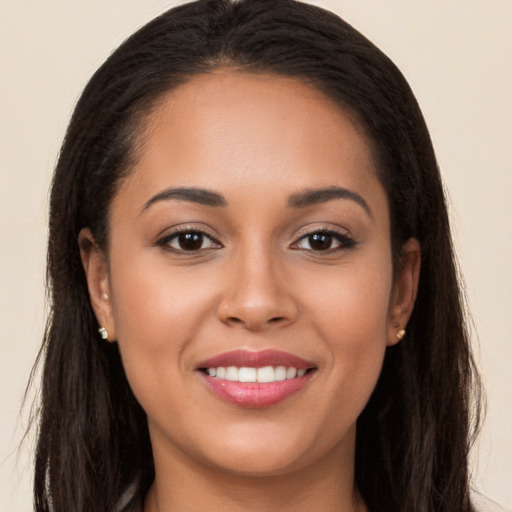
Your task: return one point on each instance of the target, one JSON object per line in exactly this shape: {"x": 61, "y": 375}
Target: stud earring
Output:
{"x": 103, "y": 333}
{"x": 400, "y": 334}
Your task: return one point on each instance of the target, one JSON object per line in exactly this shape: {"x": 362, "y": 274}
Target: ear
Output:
{"x": 96, "y": 273}
{"x": 405, "y": 288}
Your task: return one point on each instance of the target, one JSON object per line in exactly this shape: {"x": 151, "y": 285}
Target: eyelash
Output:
{"x": 165, "y": 241}
{"x": 345, "y": 242}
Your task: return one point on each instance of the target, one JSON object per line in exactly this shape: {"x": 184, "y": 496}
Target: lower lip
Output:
{"x": 254, "y": 394}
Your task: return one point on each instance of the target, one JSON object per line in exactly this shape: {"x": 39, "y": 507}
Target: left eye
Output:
{"x": 189, "y": 241}
{"x": 322, "y": 241}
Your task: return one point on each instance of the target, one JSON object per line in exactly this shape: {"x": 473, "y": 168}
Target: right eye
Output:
{"x": 188, "y": 241}
{"x": 324, "y": 241}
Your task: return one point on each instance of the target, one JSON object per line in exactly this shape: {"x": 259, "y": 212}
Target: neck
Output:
{"x": 185, "y": 485}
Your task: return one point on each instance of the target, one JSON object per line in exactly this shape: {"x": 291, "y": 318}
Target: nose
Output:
{"x": 257, "y": 295}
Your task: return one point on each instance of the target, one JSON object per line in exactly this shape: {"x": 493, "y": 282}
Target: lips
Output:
{"x": 255, "y": 379}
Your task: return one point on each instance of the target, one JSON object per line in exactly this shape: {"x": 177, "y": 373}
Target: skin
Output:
{"x": 257, "y": 140}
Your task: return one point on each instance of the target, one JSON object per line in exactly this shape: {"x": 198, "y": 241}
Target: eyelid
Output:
{"x": 323, "y": 228}
{"x": 342, "y": 235}
{"x": 344, "y": 238}
{"x": 169, "y": 234}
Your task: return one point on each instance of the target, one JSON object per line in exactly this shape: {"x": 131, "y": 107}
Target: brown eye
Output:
{"x": 320, "y": 241}
{"x": 324, "y": 241}
{"x": 188, "y": 241}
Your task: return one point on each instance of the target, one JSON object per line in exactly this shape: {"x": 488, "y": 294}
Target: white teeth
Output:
{"x": 291, "y": 373}
{"x": 266, "y": 374}
{"x": 231, "y": 373}
{"x": 262, "y": 375}
{"x": 280, "y": 373}
{"x": 247, "y": 374}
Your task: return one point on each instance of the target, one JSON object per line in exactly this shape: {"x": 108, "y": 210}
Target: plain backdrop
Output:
{"x": 457, "y": 56}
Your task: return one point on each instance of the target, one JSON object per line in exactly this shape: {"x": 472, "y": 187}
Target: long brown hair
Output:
{"x": 414, "y": 435}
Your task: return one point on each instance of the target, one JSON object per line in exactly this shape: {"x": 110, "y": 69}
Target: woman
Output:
{"x": 239, "y": 215}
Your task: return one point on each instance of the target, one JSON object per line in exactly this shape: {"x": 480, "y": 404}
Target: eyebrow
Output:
{"x": 310, "y": 197}
{"x": 194, "y": 195}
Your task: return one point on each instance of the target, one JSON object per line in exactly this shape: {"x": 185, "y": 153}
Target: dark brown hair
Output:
{"x": 414, "y": 435}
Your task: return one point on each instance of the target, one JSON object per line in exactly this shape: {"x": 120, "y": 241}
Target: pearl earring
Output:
{"x": 103, "y": 333}
{"x": 400, "y": 334}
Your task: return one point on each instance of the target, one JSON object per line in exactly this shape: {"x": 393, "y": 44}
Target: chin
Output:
{"x": 260, "y": 464}
{"x": 279, "y": 451}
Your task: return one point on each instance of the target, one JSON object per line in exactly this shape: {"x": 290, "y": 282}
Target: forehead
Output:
{"x": 226, "y": 129}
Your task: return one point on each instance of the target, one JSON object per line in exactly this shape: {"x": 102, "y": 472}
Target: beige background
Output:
{"x": 457, "y": 55}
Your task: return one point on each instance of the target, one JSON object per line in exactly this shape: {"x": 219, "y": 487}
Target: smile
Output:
{"x": 262, "y": 375}
{"x": 256, "y": 379}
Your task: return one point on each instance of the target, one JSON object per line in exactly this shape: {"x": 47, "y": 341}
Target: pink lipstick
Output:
{"x": 256, "y": 379}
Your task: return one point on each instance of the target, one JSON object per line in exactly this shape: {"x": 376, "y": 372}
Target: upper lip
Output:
{"x": 256, "y": 359}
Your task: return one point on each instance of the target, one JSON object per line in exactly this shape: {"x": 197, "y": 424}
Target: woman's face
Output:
{"x": 252, "y": 233}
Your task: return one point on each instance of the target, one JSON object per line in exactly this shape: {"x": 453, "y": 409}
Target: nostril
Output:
{"x": 276, "y": 319}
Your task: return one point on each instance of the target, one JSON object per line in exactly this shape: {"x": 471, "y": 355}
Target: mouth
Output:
{"x": 256, "y": 379}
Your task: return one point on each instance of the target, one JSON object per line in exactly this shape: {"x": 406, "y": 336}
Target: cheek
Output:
{"x": 156, "y": 314}
{"x": 151, "y": 296}
{"x": 352, "y": 304}
{"x": 351, "y": 319}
